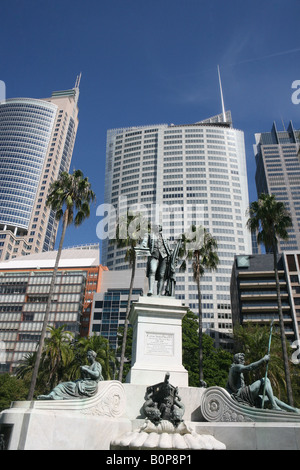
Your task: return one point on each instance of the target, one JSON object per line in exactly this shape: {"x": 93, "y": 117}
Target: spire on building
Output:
{"x": 222, "y": 99}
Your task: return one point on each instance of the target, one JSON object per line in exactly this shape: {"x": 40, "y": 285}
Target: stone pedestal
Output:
{"x": 157, "y": 341}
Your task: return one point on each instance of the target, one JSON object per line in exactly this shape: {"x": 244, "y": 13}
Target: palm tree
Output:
{"x": 204, "y": 257}
{"x": 57, "y": 353}
{"x": 70, "y": 197}
{"x": 270, "y": 220}
{"x": 128, "y": 233}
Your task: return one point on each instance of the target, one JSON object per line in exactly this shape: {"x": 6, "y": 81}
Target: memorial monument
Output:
{"x": 92, "y": 413}
{"x": 157, "y": 318}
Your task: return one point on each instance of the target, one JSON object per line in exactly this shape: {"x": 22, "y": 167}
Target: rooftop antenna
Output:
{"x": 222, "y": 99}
{"x": 78, "y": 78}
{"x": 76, "y": 88}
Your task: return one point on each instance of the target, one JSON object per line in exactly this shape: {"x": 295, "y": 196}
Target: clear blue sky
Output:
{"x": 150, "y": 62}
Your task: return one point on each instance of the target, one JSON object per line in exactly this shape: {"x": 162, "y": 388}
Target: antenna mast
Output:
{"x": 78, "y": 78}
{"x": 222, "y": 99}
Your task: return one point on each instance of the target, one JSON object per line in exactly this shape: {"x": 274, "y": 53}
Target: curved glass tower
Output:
{"x": 25, "y": 127}
{"x": 36, "y": 144}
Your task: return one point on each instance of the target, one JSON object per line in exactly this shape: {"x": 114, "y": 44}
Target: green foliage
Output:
{"x": 269, "y": 219}
{"x": 216, "y": 362}
{"x": 11, "y": 389}
{"x": 70, "y": 194}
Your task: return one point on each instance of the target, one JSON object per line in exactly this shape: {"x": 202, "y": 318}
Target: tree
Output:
{"x": 129, "y": 230}
{"x": 270, "y": 220}
{"x": 11, "y": 389}
{"x": 216, "y": 362}
{"x": 57, "y": 354}
{"x": 70, "y": 197}
{"x": 203, "y": 253}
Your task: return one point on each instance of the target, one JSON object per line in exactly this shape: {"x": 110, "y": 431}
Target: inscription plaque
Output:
{"x": 159, "y": 344}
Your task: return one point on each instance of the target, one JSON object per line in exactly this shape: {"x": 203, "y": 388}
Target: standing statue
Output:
{"x": 157, "y": 261}
{"x": 85, "y": 387}
{"x": 170, "y": 274}
{"x": 252, "y": 394}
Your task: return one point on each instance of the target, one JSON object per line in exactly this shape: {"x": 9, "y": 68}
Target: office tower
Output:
{"x": 24, "y": 287}
{"x": 179, "y": 176}
{"x": 254, "y": 294}
{"x": 36, "y": 145}
{"x": 278, "y": 173}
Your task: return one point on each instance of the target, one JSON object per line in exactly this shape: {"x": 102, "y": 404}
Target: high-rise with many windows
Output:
{"x": 179, "y": 176}
{"x": 36, "y": 143}
{"x": 278, "y": 173}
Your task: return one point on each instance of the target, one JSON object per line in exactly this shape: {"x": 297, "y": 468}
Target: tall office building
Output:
{"x": 254, "y": 293}
{"x": 36, "y": 143}
{"x": 278, "y": 173}
{"x": 179, "y": 176}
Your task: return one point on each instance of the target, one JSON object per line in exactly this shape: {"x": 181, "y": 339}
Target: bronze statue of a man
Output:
{"x": 158, "y": 259}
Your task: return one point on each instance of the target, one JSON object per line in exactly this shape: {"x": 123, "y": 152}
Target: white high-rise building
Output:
{"x": 184, "y": 175}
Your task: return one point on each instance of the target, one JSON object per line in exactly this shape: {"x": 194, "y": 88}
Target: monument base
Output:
{"x": 102, "y": 422}
{"x": 157, "y": 341}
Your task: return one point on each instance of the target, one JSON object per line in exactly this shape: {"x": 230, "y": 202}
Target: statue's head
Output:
{"x": 239, "y": 358}
{"x": 91, "y": 353}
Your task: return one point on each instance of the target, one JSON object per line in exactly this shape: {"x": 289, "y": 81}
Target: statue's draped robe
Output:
{"x": 84, "y": 387}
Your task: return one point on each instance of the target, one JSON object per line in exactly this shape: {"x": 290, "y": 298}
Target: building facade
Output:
{"x": 254, "y": 294}
{"x": 278, "y": 173}
{"x": 179, "y": 176}
{"x": 110, "y": 303}
{"x": 24, "y": 288}
{"x": 36, "y": 145}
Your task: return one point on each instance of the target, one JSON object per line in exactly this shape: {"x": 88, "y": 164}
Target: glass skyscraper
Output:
{"x": 278, "y": 173}
{"x": 36, "y": 144}
{"x": 179, "y": 176}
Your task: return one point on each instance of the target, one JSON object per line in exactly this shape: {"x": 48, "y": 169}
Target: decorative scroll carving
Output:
{"x": 218, "y": 406}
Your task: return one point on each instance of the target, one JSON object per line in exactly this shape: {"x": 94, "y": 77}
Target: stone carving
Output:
{"x": 164, "y": 427}
{"x": 218, "y": 406}
{"x": 110, "y": 400}
{"x": 86, "y": 386}
{"x": 165, "y": 437}
{"x": 241, "y": 402}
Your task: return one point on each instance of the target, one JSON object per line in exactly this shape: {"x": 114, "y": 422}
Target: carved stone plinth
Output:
{"x": 157, "y": 341}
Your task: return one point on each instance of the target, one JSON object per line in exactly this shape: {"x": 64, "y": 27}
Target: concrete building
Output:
{"x": 179, "y": 176}
{"x": 36, "y": 145}
{"x": 110, "y": 302}
{"x": 24, "y": 288}
{"x": 254, "y": 295}
{"x": 278, "y": 173}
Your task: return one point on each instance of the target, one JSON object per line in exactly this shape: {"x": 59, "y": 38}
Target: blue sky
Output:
{"x": 150, "y": 62}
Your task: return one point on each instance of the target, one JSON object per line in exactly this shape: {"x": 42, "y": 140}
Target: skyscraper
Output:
{"x": 278, "y": 173}
{"x": 179, "y": 176}
{"x": 36, "y": 143}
